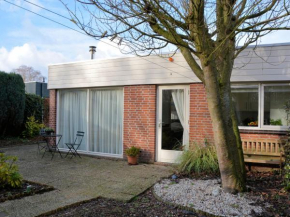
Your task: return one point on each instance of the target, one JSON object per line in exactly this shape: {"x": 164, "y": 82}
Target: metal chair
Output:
{"x": 52, "y": 144}
{"x": 41, "y": 144}
{"x": 73, "y": 147}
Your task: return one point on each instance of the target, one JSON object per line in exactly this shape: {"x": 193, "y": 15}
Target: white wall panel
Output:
{"x": 265, "y": 63}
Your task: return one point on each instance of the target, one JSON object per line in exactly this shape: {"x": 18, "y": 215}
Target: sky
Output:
{"x": 28, "y": 39}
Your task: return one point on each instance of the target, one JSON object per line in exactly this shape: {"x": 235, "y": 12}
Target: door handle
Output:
{"x": 160, "y": 124}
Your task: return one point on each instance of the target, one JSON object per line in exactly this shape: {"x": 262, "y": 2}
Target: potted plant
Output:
{"x": 132, "y": 155}
{"x": 48, "y": 130}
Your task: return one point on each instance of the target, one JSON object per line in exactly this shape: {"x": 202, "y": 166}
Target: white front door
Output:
{"x": 172, "y": 122}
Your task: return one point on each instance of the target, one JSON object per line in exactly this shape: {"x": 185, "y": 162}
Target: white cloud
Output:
{"x": 40, "y": 46}
{"x": 29, "y": 55}
{"x": 281, "y": 36}
{"x": 39, "y": 57}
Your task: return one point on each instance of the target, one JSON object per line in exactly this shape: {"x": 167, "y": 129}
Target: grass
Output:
{"x": 199, "y": 159}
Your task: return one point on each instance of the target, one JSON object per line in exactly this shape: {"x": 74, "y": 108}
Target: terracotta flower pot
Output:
{"x": 132, "y": 160}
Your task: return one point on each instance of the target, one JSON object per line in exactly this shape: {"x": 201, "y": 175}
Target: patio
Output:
{"x": 77, "y": 180}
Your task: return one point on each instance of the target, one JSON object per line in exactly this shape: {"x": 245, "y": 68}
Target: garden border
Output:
{"x": 26, "y": 194}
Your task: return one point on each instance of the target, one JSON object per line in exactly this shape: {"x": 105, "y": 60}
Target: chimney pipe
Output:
{"x": 92, "y": 50}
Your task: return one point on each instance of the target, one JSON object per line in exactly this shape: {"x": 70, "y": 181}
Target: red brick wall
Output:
{"x": 52, "y": 109}
{"x": 263, "y": 135}
{"x": 46, "y": 111}
{"x": 140, "y": 119}
{"x": 200, "y": 125}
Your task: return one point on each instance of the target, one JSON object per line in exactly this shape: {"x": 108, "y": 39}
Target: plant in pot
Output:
{"x": 49, "y": 130}
{"x": 132, "y": 155}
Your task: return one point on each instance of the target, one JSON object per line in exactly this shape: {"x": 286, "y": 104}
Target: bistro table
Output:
{"x": 52, "y": 142}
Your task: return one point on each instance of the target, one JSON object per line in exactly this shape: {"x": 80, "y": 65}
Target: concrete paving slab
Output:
{"x": 77, "y": 180}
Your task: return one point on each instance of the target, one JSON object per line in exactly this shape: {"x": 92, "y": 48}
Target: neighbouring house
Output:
{"x": 160, "y": 106}
{"x": 38, "y": 88}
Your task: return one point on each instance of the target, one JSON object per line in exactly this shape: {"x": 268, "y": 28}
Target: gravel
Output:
{"x": 207, "y": 196}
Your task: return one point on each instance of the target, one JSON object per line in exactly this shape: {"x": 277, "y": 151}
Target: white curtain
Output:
{"x": 178, "y": 99}
{"x": 72, "y": 116}
{"x": 106, "y": 121}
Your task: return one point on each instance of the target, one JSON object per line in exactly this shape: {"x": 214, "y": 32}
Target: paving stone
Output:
{"x": 77, "y": 180}
{"x": 3, "y": 214}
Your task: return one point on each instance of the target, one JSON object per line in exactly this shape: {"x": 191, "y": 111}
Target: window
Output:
{"x": 275, "y": 98}
{"x": 261, "y": 106}
{"x": 97, "y": 112}
{"x": 246, "y": 102}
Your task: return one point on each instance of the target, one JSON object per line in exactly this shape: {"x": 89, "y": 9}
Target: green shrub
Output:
{"x": 9, "y": 174}
{"x": 33, "y": 107}
{"x": 199, "y": 159}
{"x": 133, "y": 151}
{"x": 286, "y": 169}
{"x": 32, "y": 127}
{"x": 12, "y": 104}
{"x": 287, "y": 177}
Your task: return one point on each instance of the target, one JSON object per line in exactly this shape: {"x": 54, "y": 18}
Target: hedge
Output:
{"x": 12, "y": 103}
{"x": 33, "y": 107}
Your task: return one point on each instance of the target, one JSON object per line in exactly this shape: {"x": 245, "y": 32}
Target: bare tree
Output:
{"x": 28, "y": 73}
{"x": 206, "y": 33}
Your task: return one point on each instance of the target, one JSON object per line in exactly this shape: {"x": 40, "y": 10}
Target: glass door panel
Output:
{"x": 72, "y": 116}
{"x": 172, "y": 129}
{"x": 106, "y": 121}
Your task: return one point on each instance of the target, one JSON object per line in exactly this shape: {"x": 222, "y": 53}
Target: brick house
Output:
{"x": 160, "y": 106}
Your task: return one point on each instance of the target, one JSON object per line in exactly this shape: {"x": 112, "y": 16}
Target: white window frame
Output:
{"x": 261, "y": 125}
{"x": 270, "y": 127}
{"x": 87, "y": 152}
{"x": 259, "y": 102}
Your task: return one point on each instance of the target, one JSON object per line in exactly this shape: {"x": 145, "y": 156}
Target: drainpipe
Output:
{"x": 92, "y": 50}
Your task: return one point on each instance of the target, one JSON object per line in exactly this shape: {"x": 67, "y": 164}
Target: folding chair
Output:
{"x": 52, "y": 144}
{"x": 73, "y": 147}
{"x": 41, "y": 144}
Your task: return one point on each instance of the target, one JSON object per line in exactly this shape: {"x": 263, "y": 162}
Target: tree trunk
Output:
{"x": 239, "y": 142}
{"x": 225, "y": 132}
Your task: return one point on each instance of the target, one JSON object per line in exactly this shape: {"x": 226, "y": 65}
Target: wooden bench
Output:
{"x": 268, "y": 153}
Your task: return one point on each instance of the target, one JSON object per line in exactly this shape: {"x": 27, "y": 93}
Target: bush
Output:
{"x": 199, "y": 159}
{"x": 286, "y": 169}
{"x": 32, "y": 128}
{"x": 33, "y": 107}
{"x": 12, "y": 103}
{"x": 132, "y": 151}
{"x": 9, "y": 174}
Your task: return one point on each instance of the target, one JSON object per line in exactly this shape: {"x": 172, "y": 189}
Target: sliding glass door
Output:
{"x": 72, "y": 116}
{"x": 97, "y": 112}
{"x": 106, "y": 121}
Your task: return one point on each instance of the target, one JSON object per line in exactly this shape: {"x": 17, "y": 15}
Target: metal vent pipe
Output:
{"x": 93, "y": 51}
